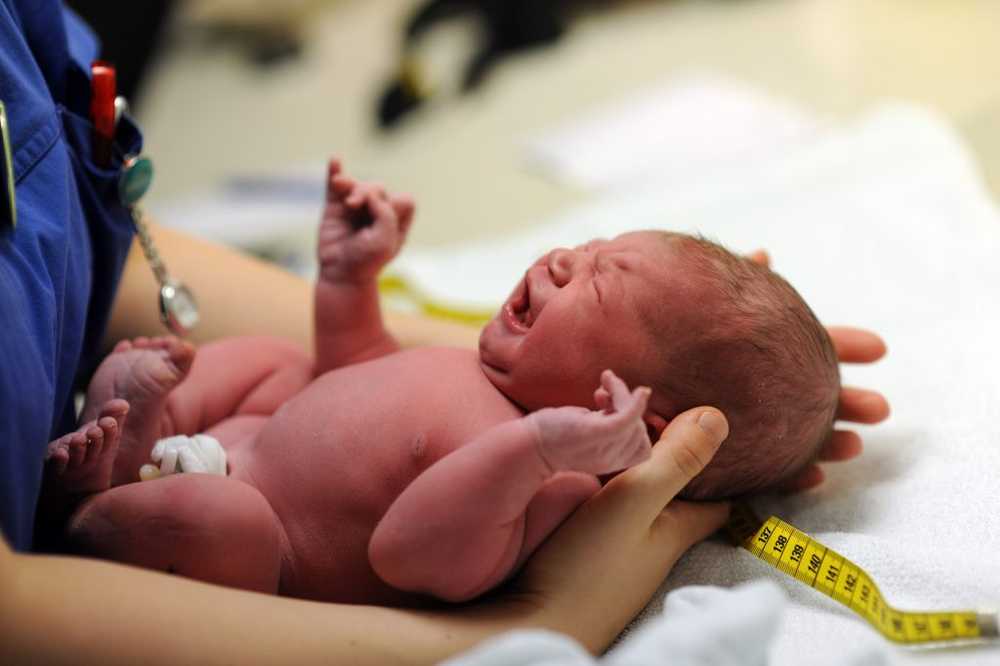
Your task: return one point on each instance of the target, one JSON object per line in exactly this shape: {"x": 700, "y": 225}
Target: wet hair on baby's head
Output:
{"x": 756, "y": 351}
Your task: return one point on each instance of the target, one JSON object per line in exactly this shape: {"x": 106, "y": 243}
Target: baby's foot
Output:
{"x": 80, "y": 463}
{"x": 363, "y": 227}
{"x": 143, "y": 372}
{"x": 77, "y": 465}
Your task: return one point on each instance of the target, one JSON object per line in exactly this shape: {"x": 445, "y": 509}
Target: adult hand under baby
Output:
{"x": 858, "y": 405}
{"x": 620, "y": 544}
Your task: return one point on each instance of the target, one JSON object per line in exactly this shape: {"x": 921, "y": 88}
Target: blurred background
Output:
{"x": 478, "y": 114}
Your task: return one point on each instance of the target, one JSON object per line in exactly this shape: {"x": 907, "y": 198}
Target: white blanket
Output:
{"x": 884, "y": 224}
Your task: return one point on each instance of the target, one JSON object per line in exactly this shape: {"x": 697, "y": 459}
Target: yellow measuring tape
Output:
{"x": 392, "y": 285}
{"x": 798, "y": 555}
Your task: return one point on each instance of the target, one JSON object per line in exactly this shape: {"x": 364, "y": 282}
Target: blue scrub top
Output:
{"x": 59, "y": 268}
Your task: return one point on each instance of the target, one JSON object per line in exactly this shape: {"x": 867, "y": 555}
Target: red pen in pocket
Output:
{"x": 102, "y": 109}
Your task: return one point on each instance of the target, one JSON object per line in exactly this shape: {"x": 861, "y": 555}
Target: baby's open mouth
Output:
{"x": 520, "y": 305}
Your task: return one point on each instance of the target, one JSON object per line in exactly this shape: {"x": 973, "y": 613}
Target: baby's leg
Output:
{"x": 143, "y": 373}
{"x": 172, "y": 392}
{"x": 206, "y": 527}
{"x": 246, "y": 376}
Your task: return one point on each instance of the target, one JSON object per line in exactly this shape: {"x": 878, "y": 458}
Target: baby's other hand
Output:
{"x": 362, "y": 227}
{"x": 597, "y": 442}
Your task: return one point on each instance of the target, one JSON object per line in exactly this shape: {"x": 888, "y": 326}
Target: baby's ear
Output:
{"x": 655, "y": 424}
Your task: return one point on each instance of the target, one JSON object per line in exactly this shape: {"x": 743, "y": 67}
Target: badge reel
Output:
{"x": 178, "y": 308}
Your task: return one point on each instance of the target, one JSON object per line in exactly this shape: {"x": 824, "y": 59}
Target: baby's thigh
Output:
{"x": 238, "y": 376}
{"x": 202, "y": 526}
{"x": 237, "y": 432}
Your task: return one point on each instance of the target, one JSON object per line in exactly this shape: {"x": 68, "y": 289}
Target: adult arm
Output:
{"x": 257, "y": 299}
{"x": 588, "y": 580}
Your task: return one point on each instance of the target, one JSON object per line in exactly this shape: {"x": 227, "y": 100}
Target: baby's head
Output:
{"x": 697, "y": 324}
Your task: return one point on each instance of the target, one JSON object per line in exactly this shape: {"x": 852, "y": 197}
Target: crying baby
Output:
{"x": 370, "y": 474}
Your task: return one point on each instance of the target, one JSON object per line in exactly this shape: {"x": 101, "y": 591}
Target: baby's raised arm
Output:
{"x": 475, "y": 516}
{"x": 362, "y": 229}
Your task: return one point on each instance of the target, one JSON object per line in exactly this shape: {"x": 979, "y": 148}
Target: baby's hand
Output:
{"x": 362, "y": 228}
{"x": 596, "y": 442}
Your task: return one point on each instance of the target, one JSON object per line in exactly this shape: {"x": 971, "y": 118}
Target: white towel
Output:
{"x": 883, "y": 224}
{"x": 700, "y": 626}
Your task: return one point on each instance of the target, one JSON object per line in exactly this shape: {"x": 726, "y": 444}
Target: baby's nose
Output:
{"x": 561, "y": 264}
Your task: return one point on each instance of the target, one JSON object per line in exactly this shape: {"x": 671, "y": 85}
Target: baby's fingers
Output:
{"x": 628, "y": 404}
{"x": 613, "y": 384}
{"x": 404, "y": 206}
{"x": 603, "y": 400}
{"x": 341, "y": 186}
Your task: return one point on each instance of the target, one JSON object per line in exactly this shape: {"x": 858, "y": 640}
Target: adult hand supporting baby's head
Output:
{"x": 602, "y": 566}
{"x": 857, "y": 405}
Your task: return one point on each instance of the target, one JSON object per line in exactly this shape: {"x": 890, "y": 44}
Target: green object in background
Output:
{"x": 8, "y": 212}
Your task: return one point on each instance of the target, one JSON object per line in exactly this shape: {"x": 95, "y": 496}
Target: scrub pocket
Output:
{"x": 109, "y": 222}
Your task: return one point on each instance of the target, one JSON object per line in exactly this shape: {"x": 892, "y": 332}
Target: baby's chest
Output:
{"x": 362, "y": 434}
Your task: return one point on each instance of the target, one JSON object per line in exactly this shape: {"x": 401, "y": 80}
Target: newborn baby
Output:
{"x": 375, "y": 475}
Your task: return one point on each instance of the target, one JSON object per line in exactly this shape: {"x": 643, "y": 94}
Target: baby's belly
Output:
{"x": 330, "y": 479}
{"x": 332, "y": 460}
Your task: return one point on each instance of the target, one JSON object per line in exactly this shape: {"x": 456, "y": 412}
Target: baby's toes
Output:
{"x": 116, "y": 409}
{"x": 57, "y": 456}
{"x": 77, "y": 447}
{"x": 111, "y": 429}
{"x": 94, "y": 443}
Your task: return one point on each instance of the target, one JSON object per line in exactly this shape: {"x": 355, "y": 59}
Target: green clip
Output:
{"x": 135, "y": 179}
{"x": 8, "y": 213}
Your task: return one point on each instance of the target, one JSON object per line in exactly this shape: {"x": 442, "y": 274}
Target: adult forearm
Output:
{"x": 241, "y": 295}
{"x": 237, "y": 294}
{"x": 71, "y": 610}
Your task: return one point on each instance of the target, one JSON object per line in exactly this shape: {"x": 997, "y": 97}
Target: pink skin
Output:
{"x": 377, "y": 475}
{"x": 143, "y": 372}
{"x": 550, "y": 341}
{"x": 81, "y": 462}
{"x": 77, "y": 465}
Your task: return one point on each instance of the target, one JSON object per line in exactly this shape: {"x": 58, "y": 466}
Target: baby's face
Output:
{"x": 575, "y": 313}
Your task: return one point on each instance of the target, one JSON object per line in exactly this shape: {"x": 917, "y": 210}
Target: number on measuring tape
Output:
{"x": 842, "y": 580}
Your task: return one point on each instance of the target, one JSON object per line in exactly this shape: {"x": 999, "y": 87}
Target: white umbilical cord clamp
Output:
{"x": 180, "y": 454}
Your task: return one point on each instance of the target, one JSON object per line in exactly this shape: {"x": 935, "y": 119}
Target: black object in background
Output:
{"x": 508, "y": 26}
{"x": 131, "y": 33}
